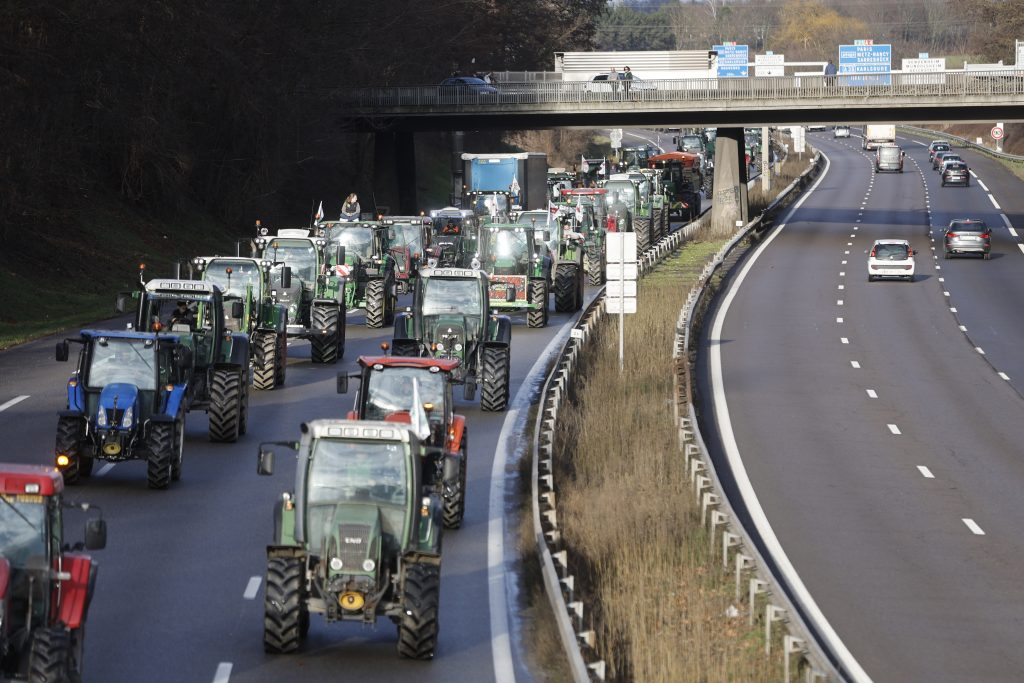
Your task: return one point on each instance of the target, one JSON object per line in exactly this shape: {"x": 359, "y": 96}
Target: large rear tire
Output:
{"x": 538, "y": 293}
{"x": 595, "y": 266}
{"x": 657, "y": 225}
{"x": 69, "y": 439}
{"x": 225, "y": 405}
{"x": 179, "y": 447}
{"x": 417, "y": 630}
{"x": 160, "y": 463}
{"x": 376, "y": 304}
{"x": 642, "y": 228}
{"x": 281, "y": 359}
{"x": 455, "y": 492}
{"x": 405, "y": 347}
{"x": 283, "y": 606}
{"x": 494, "y": 387}
{"x": 264, "y": 374}
{"x": 566, "y": 286}
{"x": 327, "y": 343}
{"x": 50, "y": 657}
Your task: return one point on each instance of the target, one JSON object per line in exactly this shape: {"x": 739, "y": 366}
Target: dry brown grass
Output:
{"x": 656, "y": 595}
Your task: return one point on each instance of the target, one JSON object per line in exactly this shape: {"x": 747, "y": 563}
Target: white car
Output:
{"x": 891, "y": 259}
{"x": 841, "y": 132}
{"x": 816, "y": 126}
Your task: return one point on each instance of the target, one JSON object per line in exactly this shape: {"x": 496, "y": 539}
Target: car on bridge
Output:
{"x": 467, "y": 85}
{"x": 968, "y": 236}
{"x": 891, "y": 258}
{"x": 956, "y": 173}
{"x": 841, "y": 132}
{"x": 816, "y": 126}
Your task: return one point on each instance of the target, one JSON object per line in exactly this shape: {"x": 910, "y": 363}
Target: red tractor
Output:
{"x": 386, "y": 390}
{"x": 45, "y": 587}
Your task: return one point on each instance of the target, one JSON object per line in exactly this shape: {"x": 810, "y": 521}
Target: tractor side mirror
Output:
{"x": 342, "y": 383}
{"x": 183, "y": 358}
{"x": 237, "y": 310}
{"x": 545, "y": 236}
{"x": 123, "y": 302}
{"x": 265, "y": 464}
{"x": 62, "y": 351}
{"x": 96, "y": 534}
{"x": 286, "y": 277}
{"x": 469, "y": 390}
{"x": 510, "y": 294}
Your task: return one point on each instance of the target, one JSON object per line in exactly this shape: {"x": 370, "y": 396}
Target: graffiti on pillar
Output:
{"x": 728, "y": 196}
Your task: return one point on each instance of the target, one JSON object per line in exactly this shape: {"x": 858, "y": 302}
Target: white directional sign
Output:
{"x": 621, "y": 247}
{"x": 617, "y": 288}
{"x": 769, "y": 64}
{"x": 616, "y": 138}
{"x": 623, "y": 271}
{"x": 931, "y": 70}
{"x": 617, "y": 305}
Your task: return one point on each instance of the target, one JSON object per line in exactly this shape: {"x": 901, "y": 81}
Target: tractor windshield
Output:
{"x": 22, "y": 528}
{"x": 538, "y": 218}
{"x": 358, "y": 473}
{"x": 389, "y": 393}
{"x": 357, "y": 240}
{"x": 452, "y": 295}
{"x": 625, "y": 190}
{"x": 299, "y": 255}
{"x": 407, "y": 235}
{"x": 243, "y": 274}
{"x": 128, "y": 361}
{"x": 508, "y": 247}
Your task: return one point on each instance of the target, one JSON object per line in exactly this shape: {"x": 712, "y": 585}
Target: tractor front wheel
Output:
{"x": 69, "y": 439}
{"x": 281, "y": 359}
{"x": 455, "y": 492}
{"x": 326, "y": 341}
{"x": 595, "y": 266}
{"x": 376, "y": 304}
{"x": 642, "y": 228}
{"x": 226, "y": 396}
{"x": 285, "y": 617}
{"x": 494, "y": 388}
{"x": 50, "y": 658}
{"x": 538, "y": 317}
{"x": 160, "y": 463}
{"x": 264, "y": 373}
{"x": 179, "y": 447}
{"x": 567, "y": 285}
{"x": 417, "y": 631}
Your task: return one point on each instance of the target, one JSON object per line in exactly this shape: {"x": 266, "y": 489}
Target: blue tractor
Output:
{"x": 126, "y": 400}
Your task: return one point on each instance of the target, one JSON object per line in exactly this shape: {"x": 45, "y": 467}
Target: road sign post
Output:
{"x": 997, "y": 135}
{"x": 621, "y": 277}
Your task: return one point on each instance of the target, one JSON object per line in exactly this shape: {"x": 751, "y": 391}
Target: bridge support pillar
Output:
{"x": 458, "y": 144}
{"x": 395, "y": 172}
{"x": 730, "y": 186}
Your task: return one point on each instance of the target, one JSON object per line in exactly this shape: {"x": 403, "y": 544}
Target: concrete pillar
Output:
{"x": 394, "y": 174}
{"x": 730, "y": 194}
{"x": 405, "y": 164}
{"x": 458, "y": 145}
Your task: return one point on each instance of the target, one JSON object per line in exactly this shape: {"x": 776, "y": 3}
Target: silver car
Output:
{"x": 968, "y": 236}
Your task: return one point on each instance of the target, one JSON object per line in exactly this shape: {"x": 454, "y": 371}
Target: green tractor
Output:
{"x": 366, "y": 262}
{"x": 450, "y": 318}
{"x": 517, "y": 261}
{"x": 635, "y": 192}
{"x": 566, "y": 229}
{"x": 359, "y": 538}
{"x": 590, "y": 221}
{"x": 409, "y": 237}
{"x": 265, "y": 321}
{"x": 454, "y": 236}
{"x": 305, "y": 279}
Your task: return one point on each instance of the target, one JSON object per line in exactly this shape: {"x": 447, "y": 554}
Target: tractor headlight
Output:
{"x": 440, "y": 346}
{"x": 369, "y": 565}
{"x": 129, "y": 418}
{"x": 101, "y": 417}
{"x": 336, "y": 564}
{"x": 458, "y": 347}
{"x": 475, "y": 263}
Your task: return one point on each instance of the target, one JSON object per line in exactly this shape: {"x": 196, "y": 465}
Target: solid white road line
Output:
{"x": 994, "y": 202}
{"x": 894, "y": 429}
{"x": 979, "y": 350}
{"x": 13, "y": 402}
{"x": 925, "y": 472}
{"x": 1004, "y": 376}
{"x": 103, "y": 470}
{"x": 252, "y": 588}
{"x": 973, "y": 526}
{"x": 844, "y": 340}
{"x": 497, "y": 591}
{"x": 973, "y": 174}
{"x": 872, "y": 393}
{"x": 223, "y": 674}
{"x": 982, "y": 185}
{"x": 732, "y": 452}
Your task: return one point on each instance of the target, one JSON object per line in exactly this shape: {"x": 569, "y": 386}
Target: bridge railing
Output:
{"x": 843, "y": 87}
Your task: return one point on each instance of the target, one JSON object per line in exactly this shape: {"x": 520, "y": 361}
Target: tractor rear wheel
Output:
{"x": 567, "y": 283}
{"x": 417, "y": 631}
{"x": 50, "y": 658}
{"x": 538, "y": 291}
{"x": 160, "y": 463}
{"x": 595, "y": 266}
{"x": 657, "y": 225}
{"x": 376, "y": 304}
{"x": 494, "y": 388}
{"x": 284, "y": 611}
{"x": 455, "y": 492}
{"x": 326, "y": 347}
{"x": 264, "y": 372}
{"x": 281, "y": 359}
{"x": 405, "y": 347}
{"x": 179, "y": 447}
{"x": 642, "y": 228}
{"x": 225, "y": 405}
{"x": 69, "y": 439}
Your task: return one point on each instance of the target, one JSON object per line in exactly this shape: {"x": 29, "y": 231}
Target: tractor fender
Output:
{"x": 75, "y": 591}
{"x": 429, "y": 526}
{"x": 236, "y": 351}
{"x": 452, "y": 461}
{"x": 454, "y": 442}
{"x": 499, "y": 330}
{"x": 71, "y": 413}
{"x": 284, "y": 524}
{"x": 404, "y": 326}
{"x": 76, "y": 394}
{"x": 173, "y": 401}
{"x": 274, "y": 316}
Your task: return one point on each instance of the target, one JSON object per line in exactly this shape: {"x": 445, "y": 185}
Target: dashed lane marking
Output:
{"x": 13, "y": 402}
{"x": 982, "y": 185}
{"x": 894, "y": 429}
{"x": 872, "y": 393}
{"x": 223, "y": 674}
{"x": 103, "y": 470}
{"x": 973, "y": 174}
{"x": 979, "y": 350}
{"x": 839, "y": 320}
{"x": 994, "y": 202}
{"x": 1021, "y": 247}
{"x": 1004, "y": 376}
{"x": 252, "y": 588}
{"x": 844, "y": 340}
{"x": 855, "y": 365}
{"x": 973, "y": 526}
{"x": 1006, "y": 220}
{"x": 925, "y": 472}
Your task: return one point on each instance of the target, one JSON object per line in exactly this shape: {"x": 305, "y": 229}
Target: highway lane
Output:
{"x": 881, "y": 445}
{"x": 179, "y": 595}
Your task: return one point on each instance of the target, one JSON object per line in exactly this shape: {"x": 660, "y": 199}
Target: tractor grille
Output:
{"x": 114, "y": 416}
{"x": 354, "y": 542}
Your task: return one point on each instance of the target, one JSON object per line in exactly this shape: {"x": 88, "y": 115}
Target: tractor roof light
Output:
{"x": 266, "y": 265}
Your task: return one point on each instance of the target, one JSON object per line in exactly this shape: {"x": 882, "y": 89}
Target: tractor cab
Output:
{"x": 682, "y": 178}
{"x": 495, "y": 206}
{"x": 198, "y": 324}
{"x": 240, "y": 279}
{"x": 409, "y": 237}
{"x": 454, "y": 237}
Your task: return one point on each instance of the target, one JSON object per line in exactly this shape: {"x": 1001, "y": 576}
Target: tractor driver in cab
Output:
{"x": 182, "y": 315}
{"x": 617, "y": 208}
{"x": 450, "y": 228}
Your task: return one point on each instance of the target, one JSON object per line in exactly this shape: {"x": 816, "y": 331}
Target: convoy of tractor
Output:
{"x": 359, "y": 535}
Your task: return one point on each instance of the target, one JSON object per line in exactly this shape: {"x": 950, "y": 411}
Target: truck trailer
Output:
{"x": 523, "y": 175}
{"x": 878, "y": 134}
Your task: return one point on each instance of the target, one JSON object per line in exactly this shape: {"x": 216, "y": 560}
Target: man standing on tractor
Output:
{"x": 350, "y": 209}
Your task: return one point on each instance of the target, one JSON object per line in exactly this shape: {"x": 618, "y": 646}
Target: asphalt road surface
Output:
{"x": 879, "y": 423}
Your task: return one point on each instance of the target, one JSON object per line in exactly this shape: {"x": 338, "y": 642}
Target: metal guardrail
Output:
{"x": 963, "y": 142}
{"x": 578, "y": 643}
{"x": 944, "y": 85}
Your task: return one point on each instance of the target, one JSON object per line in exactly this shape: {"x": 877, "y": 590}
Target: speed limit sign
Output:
{"x": 997, "y": 133}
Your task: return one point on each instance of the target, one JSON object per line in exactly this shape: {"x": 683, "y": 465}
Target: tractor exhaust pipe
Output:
{"x": 177, "y": 270}
{"x": 238, "y": 248}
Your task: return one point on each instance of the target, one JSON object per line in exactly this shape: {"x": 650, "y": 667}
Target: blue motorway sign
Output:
{"x": 732, "y": 60}
{"x": 859, "y": 64}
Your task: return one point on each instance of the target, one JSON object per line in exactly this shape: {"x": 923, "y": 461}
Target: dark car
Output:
{"x": 968, "y": 236}
{"x": 956, "y": 173}
{"x": 468, "y": 84}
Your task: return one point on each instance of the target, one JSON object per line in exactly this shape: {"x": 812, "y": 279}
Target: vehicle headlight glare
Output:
{"x": 129, "y": 418}
{"x": 101, "y": 418}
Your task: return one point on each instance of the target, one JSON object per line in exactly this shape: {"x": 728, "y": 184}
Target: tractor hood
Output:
{"x": 115, "y": 400}
{"x": 352, "y": 539}
{"x": 449, "y": 332}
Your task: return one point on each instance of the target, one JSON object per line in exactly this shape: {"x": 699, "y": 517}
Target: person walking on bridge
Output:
{"x": 627, "y": 79}
{"x": 830, "y": 74}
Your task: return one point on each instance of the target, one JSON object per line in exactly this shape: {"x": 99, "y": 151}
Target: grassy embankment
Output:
{"x": 652, "y": 582}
